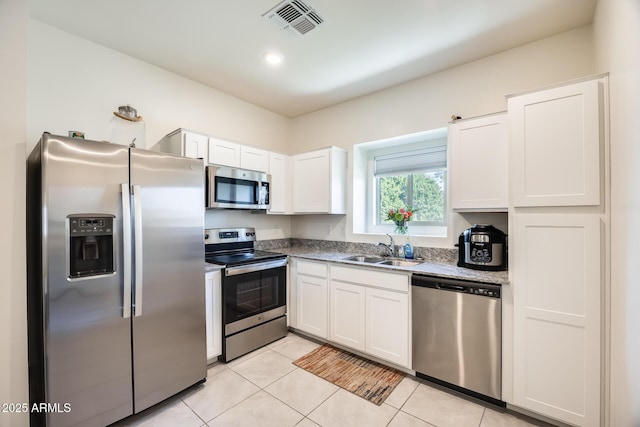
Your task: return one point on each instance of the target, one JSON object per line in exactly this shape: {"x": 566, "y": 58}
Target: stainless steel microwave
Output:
{"x": 233, "y": 188}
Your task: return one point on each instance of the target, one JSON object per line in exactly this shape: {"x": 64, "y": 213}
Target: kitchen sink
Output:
{"x": 399, "y": 262}
{"x": 364, "y": 258}
{"x": 381, "y": 261}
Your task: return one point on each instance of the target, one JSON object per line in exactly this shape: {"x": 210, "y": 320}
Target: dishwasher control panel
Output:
{"x": 486, "y": 292}
{"x": 452, "y": 285}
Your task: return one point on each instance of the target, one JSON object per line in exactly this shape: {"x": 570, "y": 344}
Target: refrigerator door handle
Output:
{"x": 137, "y": 246}
{"x": 126, "y": 244}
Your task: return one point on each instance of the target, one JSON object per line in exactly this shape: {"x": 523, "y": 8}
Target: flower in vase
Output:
{"x": 400, "y": 218}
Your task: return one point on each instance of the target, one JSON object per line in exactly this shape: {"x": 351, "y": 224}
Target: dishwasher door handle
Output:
{"x": 456, "y": 288}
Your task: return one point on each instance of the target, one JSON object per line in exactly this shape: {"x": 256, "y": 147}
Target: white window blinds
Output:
{"x": 406, "y": 162}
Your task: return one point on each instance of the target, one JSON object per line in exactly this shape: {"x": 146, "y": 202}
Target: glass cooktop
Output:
{"x": 237, "y": 258}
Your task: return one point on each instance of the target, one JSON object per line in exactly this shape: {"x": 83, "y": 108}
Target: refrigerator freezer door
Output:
{"x": 79, "y": 335}
{"x": 169, "y": 341}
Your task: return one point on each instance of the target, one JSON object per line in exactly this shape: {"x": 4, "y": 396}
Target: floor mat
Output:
{"x": 369, "y": 380}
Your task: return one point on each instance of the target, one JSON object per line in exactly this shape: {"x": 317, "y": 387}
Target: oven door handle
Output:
{"x": 250, "y": 268}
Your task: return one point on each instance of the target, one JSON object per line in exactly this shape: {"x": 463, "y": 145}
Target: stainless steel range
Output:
{"x": 254, "y": 288}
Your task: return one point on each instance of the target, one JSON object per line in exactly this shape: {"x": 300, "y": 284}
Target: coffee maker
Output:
{"x": 482, "y": 247}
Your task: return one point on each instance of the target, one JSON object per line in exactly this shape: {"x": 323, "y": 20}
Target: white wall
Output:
{"x": 75, "y": 84}
{"x": 470, "y": 90}
{"x": 13, "y": 86}
{"x": 617, "y": 41}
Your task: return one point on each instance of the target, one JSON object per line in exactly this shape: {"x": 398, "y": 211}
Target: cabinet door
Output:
{"x": 311, "y": 182}
{"x": 195, "y": 146}
{"x": 347, "y": 314}
{"x": 556, "y": 273}
{"x": 254, "y": 159}
{"x": 224, "y": 153}
{"x": 555, "y": 138}
{"x": 479, "y": 158}
{"x": 280, "y": 192}
{"x": 214, "y": 314}
{"x": 312, "y": 305}
{"x": 387, "y": 325}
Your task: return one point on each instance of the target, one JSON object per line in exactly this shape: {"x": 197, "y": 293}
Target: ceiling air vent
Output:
{"x": 294, "y": 16}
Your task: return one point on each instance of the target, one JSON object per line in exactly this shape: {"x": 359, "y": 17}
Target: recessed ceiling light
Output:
{"x": 273, "y": 58}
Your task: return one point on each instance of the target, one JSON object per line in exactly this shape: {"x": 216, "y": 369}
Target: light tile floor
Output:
{"x": 264, "y": 388}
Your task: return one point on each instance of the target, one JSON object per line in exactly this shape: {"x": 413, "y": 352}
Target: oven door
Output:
{"x": 253, "y": 294}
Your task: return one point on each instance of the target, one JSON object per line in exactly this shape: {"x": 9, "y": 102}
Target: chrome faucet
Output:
{"x": 391, "y": 247}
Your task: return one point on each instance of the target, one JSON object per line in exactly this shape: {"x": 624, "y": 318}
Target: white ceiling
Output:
{"x": 363, "y": 45}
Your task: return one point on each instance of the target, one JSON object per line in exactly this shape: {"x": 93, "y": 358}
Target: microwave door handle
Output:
{"x": 261, "y": 193}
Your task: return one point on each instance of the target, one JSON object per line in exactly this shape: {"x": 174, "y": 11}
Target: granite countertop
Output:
{"x": 426, "y": 267}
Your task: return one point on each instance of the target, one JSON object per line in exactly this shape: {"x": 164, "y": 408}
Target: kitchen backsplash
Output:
{"x": 428, "y": 254}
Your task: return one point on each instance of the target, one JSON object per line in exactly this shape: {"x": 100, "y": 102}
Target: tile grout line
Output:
{"x": 484, "y": 411}
{"x": 294, "y": 409}
{"x": 404, "y": 403}
{"x": 194, "y": 412}
{"x": 230, "y": 408}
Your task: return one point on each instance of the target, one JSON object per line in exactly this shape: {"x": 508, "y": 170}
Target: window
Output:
{"x": 414, "y": 179}
{"x": 397, "y": 172}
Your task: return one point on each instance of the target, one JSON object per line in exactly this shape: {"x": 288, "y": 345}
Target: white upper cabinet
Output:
{"x": 478, "y": 168}
{"x": 224, "y": 153}
{"x": 195, "y": 145}
{"x": 216, "y": 151}
{"x": 183, "y": 142}
{"x": 280, "y": 191}
{"x": 254, "y": 159}
{"x": 319, "y": 181}
{"x": 555, "y": 144}
{"x": 236, "y": 155}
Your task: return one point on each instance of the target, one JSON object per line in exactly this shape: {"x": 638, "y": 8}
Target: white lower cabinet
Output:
{"x": 387, "y": 325}
{"x": 363, "y": 309}
{"x": 213, "y": 298}
{"x": 311, "y": 297}
{"x": 347, "y": 314}
{"x": 369, "y": 312}
{"x": 557, "y": 286}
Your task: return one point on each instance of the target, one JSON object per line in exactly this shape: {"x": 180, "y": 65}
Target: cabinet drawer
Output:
{"x": 370, "y": 277}
{"x": 312, "y": 268}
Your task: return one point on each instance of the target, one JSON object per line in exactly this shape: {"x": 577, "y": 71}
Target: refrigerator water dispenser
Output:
{"x": 90, "y": 245}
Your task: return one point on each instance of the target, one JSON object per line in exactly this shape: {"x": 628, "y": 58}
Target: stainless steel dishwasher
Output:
{"x": 457, "y": 335}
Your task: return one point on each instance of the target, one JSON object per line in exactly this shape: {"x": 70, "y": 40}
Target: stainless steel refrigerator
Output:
{"x": 116, "y": 308}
